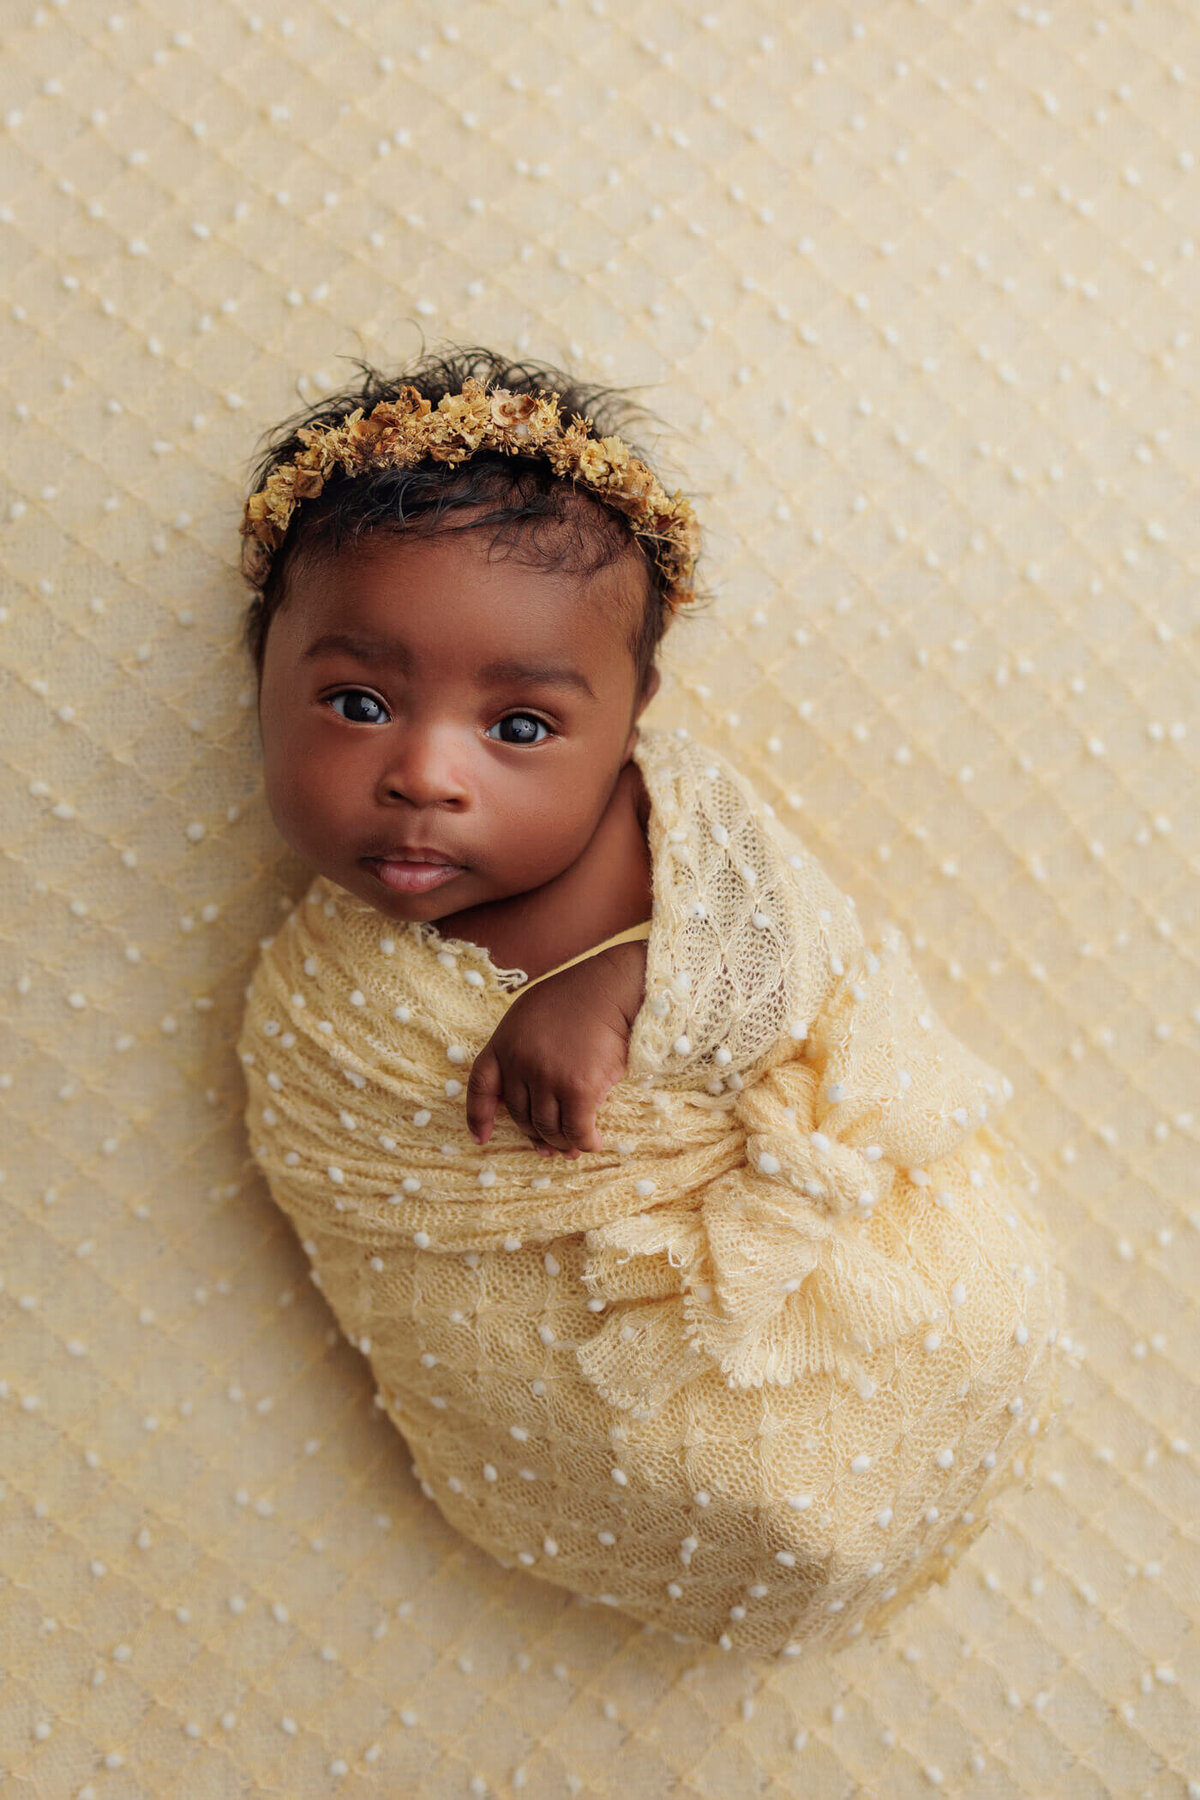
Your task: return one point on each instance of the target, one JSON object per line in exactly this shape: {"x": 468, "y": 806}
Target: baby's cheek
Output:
{"x": 310, "y": 813}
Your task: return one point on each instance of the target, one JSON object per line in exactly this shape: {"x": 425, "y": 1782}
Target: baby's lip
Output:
{"x": 415, "y": 853}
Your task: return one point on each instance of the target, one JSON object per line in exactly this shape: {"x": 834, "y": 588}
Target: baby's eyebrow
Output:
{"x": 372, "y": 649}
{"x": 538, "y": 674}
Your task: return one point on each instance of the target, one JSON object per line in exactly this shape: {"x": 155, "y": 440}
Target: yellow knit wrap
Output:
{"x": 752, "y": 1372}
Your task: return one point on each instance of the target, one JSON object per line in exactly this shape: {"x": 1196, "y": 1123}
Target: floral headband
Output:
{"x": 402, "y": 432}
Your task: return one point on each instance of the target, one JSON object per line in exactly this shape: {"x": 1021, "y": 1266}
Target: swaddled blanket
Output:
{"x": 752, "y": 1372}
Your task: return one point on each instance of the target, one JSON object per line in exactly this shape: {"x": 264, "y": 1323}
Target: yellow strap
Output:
{"x": 628, "y": 936}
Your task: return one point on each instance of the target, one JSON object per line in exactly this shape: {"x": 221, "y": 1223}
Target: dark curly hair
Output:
{"x": 530, "y": 511}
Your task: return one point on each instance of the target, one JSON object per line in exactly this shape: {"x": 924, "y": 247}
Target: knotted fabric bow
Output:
{"x": 775, "y": 1269}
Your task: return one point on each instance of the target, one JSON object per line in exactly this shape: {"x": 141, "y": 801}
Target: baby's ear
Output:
{"x": 653, "y": 683}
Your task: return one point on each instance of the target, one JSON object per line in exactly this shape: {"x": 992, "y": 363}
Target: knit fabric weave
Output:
{"x": 753, "y": 1372}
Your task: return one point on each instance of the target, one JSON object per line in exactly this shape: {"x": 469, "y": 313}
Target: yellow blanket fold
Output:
{"x": 753, "y": 1372}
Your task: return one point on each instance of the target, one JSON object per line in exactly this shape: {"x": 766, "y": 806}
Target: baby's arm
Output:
{"x": 558, "y": 1051}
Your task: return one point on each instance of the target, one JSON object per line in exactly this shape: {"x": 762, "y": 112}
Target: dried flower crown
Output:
{"x": 402, "y": 432}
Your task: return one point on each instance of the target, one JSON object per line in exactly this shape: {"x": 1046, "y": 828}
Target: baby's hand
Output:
{"x": 558, "y": 1051}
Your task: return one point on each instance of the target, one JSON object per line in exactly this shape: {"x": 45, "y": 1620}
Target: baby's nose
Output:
{"x": 426, "y": 773}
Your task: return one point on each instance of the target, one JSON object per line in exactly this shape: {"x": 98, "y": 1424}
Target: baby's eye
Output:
{"x": 524, "y": 725}
{"x": 359, "y": 698}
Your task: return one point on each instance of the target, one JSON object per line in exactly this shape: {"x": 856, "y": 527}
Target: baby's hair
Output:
{"x": 550, "y": 522}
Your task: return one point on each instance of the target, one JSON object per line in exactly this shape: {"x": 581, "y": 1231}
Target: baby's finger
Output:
{"x": 579, "y": 1124}
{"x": 483, "y": 1094}
{"x": 516, "y": 1098}
{"x": 545, "y": 1120}
{"x": 547, "y": 1123}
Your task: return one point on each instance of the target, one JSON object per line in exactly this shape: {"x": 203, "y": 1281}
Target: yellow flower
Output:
{"x": 593, "y": 463}
{"x": 616, "y": 452}
{"x": 562, "y": 452}
{"x": 458, "y": 411}
{"x": 636, "y": 479}
{"x": 409, "y": 403}
{"x": 508, "y": 409}
{"x": 278, "y": 498}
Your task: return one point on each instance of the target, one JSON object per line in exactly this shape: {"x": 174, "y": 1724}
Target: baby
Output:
{"x": 451, "y": 664}
{"x": 751, "y": 1365}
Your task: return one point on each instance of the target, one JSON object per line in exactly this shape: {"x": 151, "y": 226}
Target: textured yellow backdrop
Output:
{"x": 915, "y": 287}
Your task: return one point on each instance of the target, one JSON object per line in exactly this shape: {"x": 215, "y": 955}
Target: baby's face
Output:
{"x": 478, "y": 710}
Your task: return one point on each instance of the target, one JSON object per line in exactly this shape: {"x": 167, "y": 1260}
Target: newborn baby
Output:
{"x": 751, "y": 1365}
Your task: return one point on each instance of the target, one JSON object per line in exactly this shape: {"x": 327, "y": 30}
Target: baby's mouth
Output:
{"x": 412, "y": 877}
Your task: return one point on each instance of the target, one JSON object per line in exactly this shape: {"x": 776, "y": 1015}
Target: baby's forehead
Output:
{"x": 328, "y": 578}
{"x": 387, "y": 608}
